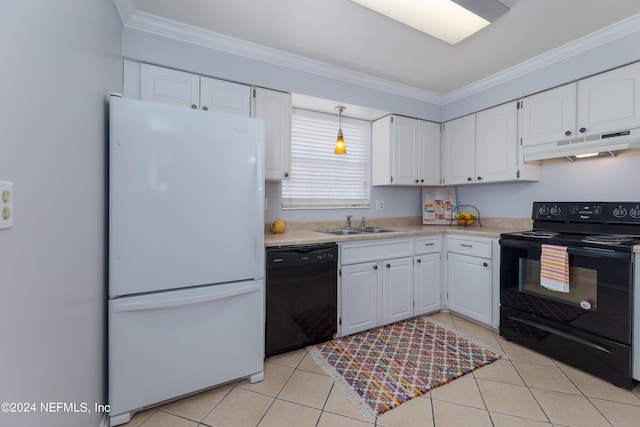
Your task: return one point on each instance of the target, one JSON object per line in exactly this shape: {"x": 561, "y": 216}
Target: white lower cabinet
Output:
{"x": 397, "y": 290}
{"x": 359, "y": 297}
{"x": 376, "y": 283}
{"x": 387, "y": 280}
{"x": 426, "y": 275}
{"x": 470, "y": 278}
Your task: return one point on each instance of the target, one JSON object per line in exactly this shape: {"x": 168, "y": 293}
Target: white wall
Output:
{"x": 588, "y": 180}
{"x": 59, "y": 60}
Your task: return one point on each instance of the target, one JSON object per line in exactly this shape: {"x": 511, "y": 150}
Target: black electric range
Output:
{"x": 604, "y": 225}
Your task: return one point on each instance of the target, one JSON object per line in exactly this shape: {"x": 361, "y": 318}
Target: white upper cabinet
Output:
{"x": 405, "y": 151}
{"x": 275, "y": 108}
{"x": 168, "y": 86}
{"x": 429, "y": 152}
{"x": 609, "y": 102}
{"x": 598, "y": 113}
{"x": 459, "y": 151}
{"x": 225, "y": 97}
{"x": 483, "y": 147}
{"x": 497, "y": 144}
{"x": 548, "y": 116}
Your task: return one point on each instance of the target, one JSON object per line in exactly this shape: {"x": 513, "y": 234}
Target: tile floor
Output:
{"x": 527, "y": 390}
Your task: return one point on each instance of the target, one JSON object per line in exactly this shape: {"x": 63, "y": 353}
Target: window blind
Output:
{"x": 320, "y": 179}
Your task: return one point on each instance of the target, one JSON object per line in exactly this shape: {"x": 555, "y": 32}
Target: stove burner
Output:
{"x": 539, "y": 233}
{"x": 609, "y": 239}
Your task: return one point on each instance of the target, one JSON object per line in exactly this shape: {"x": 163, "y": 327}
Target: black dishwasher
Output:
{"x": 301, "y": 296}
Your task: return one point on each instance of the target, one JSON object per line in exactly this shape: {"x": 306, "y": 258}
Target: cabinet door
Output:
{"x": 458, "y": 150}
{"x": 381, "y": 173}
{"x": 404, "y": 151}
{"x": 470, "y": 287}
{"x": 275, "y": 108}
{"x": 359, "y": 297}
{"x": 497, "y": 143}
{"x": 225, "y": 97}
{"x": 426, "y": 279}
{"x": 610, "y": 101}
{"x": 428, "y": 153}
{"x": 167, "y": 86}
{"x": 548, "y": 116}
{"x": 397, "y": 290}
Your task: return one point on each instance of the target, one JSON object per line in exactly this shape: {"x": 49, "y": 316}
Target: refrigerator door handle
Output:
{"x": 147, "y": 304}
{"x": 260, "y": 196}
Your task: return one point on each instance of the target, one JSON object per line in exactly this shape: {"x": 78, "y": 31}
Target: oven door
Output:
{"x": 599, "y": 299}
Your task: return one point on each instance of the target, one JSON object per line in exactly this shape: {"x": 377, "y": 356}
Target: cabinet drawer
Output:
{"x": 473, "y": 246}
{"x": 427, "y": 245}
{"x": 371, "y": 251}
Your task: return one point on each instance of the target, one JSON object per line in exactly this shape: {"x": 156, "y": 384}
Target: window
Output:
{"x": 320, "y": 179}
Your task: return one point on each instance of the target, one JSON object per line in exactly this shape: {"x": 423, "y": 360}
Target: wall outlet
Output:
{"x": 379, "y": 205}
{"x": 6, "y": 204}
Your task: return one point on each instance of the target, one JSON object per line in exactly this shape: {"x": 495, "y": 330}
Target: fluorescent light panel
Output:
{"x": 447, "y": 20}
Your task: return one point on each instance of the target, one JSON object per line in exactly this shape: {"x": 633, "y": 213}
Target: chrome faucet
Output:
{"x": 349, "y": 221}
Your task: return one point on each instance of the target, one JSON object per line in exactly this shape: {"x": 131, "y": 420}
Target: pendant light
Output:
{"x": 340, "y": 148}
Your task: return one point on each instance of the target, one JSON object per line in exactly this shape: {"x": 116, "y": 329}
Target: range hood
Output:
{"x": 613, "y": 143}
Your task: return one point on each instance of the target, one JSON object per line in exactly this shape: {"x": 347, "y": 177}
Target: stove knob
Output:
{"x": 543, "y": 210}
{"x": 635, "y": 212}
{"x": 555, "y": 210}
{"x": 619, "y": 212}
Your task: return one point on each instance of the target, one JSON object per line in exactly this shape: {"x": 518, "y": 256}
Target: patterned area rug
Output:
{"x": 387, "y": 366}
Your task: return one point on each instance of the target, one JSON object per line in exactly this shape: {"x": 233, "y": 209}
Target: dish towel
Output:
{"x": 554, "y": 268}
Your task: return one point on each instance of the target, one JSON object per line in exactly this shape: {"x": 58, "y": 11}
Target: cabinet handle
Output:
{"x": 484, "y": 264}
{"x": 479, "y": 178}
{"x": 388, "y": 265}
{"x": 465, "y": 245}
{"x": 429, "y": 244}
{"x": 417, "y": 181}
{"x": 568, "y": 133}
{"x": 469, "y": 179}
{"x": 422, "y": 180}
{"x": 194, "y": 106}
{"x": 375, "y": 267}
{"x": 286, "y": 174}
{"x": 205, "y": 108}
{"x": 583, "y": 130}
{"x": 419, "y": 260}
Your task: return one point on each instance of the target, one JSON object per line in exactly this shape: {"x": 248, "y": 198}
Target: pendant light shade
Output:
{"x": 340, "y": 147}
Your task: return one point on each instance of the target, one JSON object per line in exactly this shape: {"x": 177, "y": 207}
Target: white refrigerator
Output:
{"x": 186, "y": 252}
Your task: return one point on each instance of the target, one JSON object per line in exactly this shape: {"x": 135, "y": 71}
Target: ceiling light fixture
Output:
{"x": 448, "y": 20}
{"x": 340, "y": 148}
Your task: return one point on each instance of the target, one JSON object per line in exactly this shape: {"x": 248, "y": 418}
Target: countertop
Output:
{"x": 302, "y": 233}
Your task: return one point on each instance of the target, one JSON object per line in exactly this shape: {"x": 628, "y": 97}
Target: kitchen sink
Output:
{"x": 377, "y": 230}
{"x": 349, "y": 231}
{"x": 341, "y": 231}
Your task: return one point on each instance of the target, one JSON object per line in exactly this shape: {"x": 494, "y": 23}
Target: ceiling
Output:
{"x": 345, "y": 35}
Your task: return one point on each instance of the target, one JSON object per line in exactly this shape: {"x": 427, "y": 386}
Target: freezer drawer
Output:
{"x": 168, "y": 344}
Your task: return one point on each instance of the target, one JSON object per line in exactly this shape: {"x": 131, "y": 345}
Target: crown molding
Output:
{"x": 126, "y": 9}
{"x": 172, "y": 29}
{"x": 598, "y": 38}
{"x": 168, "y": 28}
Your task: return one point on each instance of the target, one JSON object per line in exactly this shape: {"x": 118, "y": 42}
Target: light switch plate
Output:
{"x": 6, "y": 204}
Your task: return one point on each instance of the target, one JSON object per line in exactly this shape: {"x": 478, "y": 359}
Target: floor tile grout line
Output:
{"x": 233, "y": 386}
